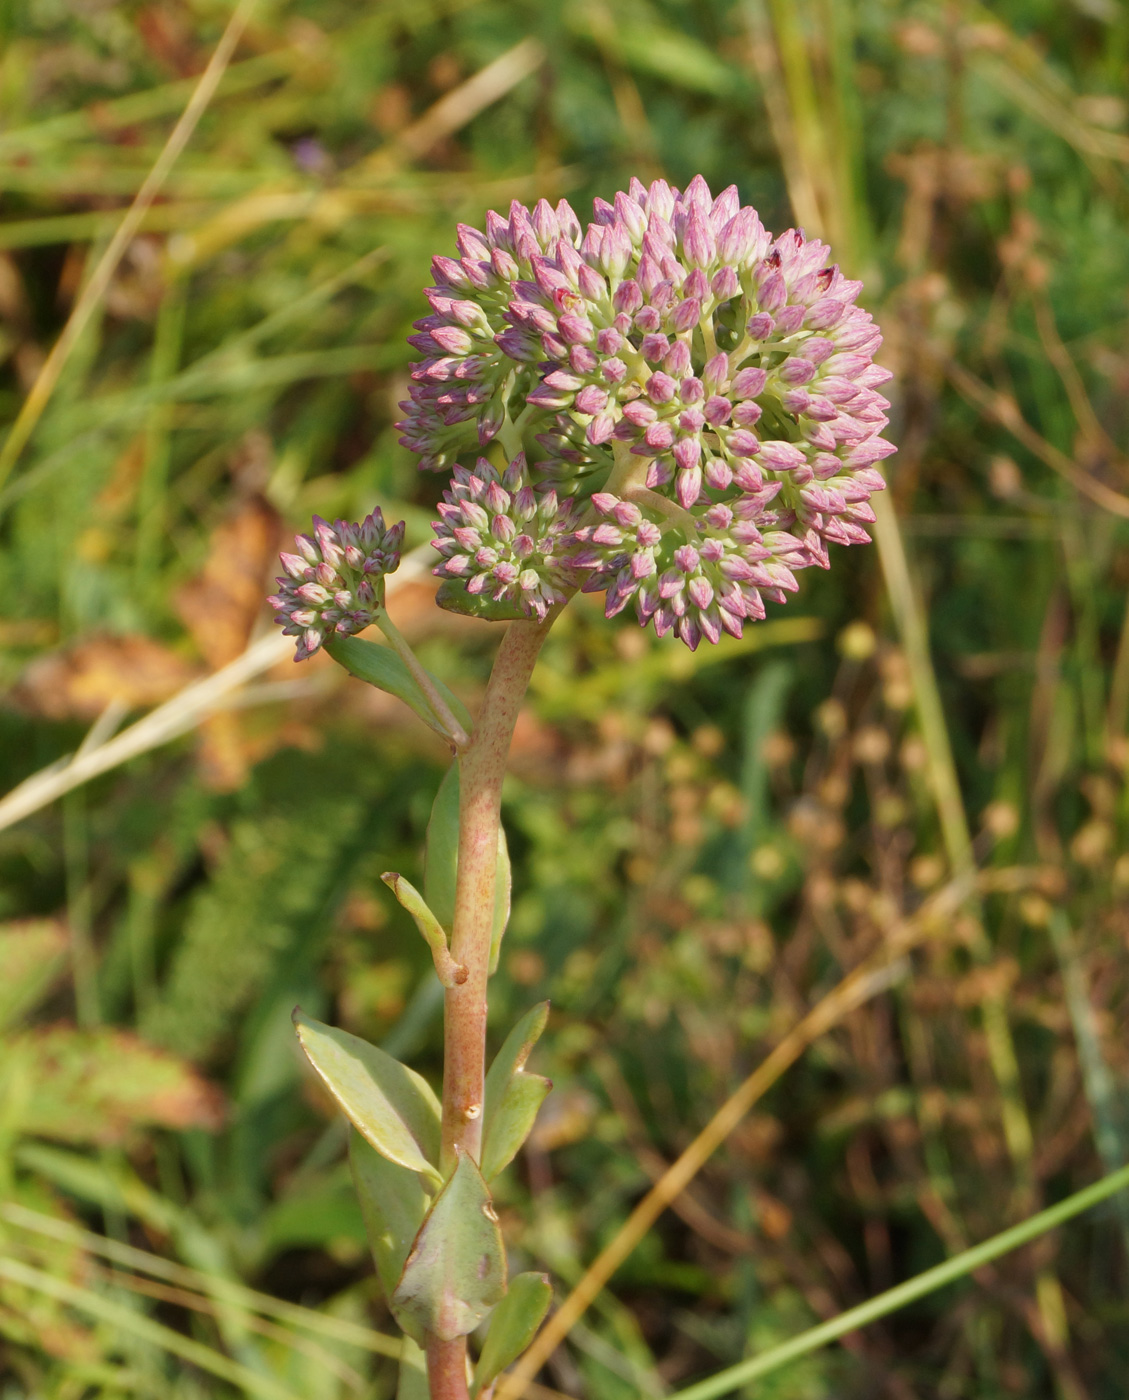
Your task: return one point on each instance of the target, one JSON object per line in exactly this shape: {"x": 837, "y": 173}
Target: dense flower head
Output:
{"x": 334, "y": 585}
{"x": 699, "y": 578}
{"x": 504, "y": 540}
{"x": 673, "y": 357}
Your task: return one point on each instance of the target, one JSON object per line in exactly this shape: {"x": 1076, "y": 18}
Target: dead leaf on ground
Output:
{"x": 79, "y": 681}
{"x": 221, "y": 604}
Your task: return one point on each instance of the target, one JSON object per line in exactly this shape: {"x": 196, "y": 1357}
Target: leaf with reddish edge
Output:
{"x": 513, "y": 1096}
{"x": 456, "y": 1271}
{"x": 453, "y": 597}
{"x": 512, "y": 1327}
{"x": 392, "y": 1107}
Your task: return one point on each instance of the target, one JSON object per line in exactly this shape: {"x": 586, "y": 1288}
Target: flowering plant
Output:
{"x": 671, "y": 408}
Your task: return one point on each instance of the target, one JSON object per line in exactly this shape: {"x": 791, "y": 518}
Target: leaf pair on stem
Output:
{"x": 432, "y": 1227}
{"x": 436, "y": 1241}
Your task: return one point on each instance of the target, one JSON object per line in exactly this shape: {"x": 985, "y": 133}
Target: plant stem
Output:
{"x": 482, "y": 767}
{"x": 446, "y": 1369}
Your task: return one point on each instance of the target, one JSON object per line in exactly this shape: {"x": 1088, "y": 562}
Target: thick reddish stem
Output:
{"x": 481, "y": 770}
{"x": 446, "y": 1369}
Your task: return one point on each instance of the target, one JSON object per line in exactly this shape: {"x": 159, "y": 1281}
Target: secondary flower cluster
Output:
{"x": 695, "y": 589}
{"x": 670, "y": 406}
{"x": 335, "y": 583}
{"x": 505, "y": 541}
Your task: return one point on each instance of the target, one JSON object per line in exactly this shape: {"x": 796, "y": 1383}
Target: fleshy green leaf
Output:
{"x": 512, "y": 1096}
{"x": 394, "y": 1204}
{"x": 441, "y": 858}
{"x": 456, "y": 1271}
{"x": 441, "y": 863}
{"x": 515, "y": 1321}
{"x": 453, "y": 596}
{"x": 381, "y": 667}
{"x": 391, "y": 1106}
{"x": 413, "y": 1373}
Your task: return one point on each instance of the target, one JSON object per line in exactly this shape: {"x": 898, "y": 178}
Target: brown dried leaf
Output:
{"x": 79, "y": 681}
{"x": 220, "y": 605}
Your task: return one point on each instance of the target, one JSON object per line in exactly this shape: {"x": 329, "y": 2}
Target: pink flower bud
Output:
{"x": 716, "y": 372}
{"x": 660, "y": 388}
{"x": 676, "y": 361}
{"x": 772, "y": 292}
{"x": 627, "y": 297}
{"x": 687, "y": 453}
{"x": 654, "y": 347}
{"x": 688, "y": 487}
{"x": 718, "y": 473}
{"x": 779, "y": 456}
{"x": 686, "y": 315}
{"x": 591, "y": 399}
{"x": 717, "y": 410}
{"x": 600, "y": 429}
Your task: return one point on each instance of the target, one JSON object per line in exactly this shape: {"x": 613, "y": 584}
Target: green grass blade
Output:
{"x": 218, "y": 1287}
{"x": 725, "y": 1382}
{"x": 128, "y": 1321}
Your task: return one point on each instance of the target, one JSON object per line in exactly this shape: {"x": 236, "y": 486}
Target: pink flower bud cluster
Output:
{"x": 334, "y": 585}
{"x": 468, "y": 378}
{"x": 713, "y": 380}
{"x": 504, "y": 540}
{"x": 694, "y": 589}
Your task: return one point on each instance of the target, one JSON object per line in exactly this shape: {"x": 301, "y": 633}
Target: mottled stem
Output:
{"x": 482, "y": 767}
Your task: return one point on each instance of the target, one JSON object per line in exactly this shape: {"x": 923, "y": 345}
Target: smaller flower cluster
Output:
{"x": 695, "y": 577}
{"x": 504, "y": 540}
{"x": 335, "y": 583}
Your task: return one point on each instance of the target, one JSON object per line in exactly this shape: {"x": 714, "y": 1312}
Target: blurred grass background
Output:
{"x": 703, "y": 844}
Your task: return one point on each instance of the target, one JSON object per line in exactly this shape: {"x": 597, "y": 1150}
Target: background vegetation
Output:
{"x": 703, "y": 844}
